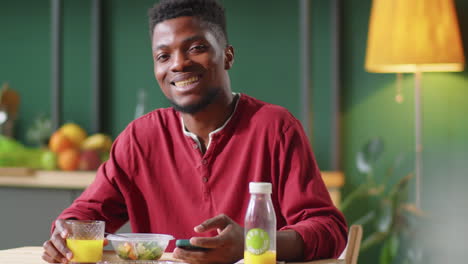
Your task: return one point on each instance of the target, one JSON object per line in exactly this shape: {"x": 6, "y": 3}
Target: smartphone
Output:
{"x": 185, "y": 244}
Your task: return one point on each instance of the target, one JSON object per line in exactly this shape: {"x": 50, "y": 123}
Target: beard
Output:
{"x": 206, "y": 100}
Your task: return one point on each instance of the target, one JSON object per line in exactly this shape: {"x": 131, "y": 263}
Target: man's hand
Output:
{"x": 55, "y": 249}
{"x": 226, "y": 247}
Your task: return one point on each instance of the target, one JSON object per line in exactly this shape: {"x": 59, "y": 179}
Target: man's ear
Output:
{"x": 228, "y": 57}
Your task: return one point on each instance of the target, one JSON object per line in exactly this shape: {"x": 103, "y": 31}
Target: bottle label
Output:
{"x": 257, "y": 241}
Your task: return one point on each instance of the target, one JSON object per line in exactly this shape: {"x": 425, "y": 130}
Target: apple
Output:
{"x": 49, "y": 160}
{"x": 73, "y": 132}
{"x": 89, "y": 160}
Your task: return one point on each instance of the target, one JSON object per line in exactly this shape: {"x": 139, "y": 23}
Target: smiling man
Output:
{"x": 185, "y": 170}
{"x": 191, "y": 59}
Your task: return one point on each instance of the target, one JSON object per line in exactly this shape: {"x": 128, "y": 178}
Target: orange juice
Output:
{"x": 269, "y": 257}
{"x": 86, "y": 251}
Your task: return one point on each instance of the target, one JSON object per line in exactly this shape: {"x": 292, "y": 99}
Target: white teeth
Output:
{"x": 186, "y": 82}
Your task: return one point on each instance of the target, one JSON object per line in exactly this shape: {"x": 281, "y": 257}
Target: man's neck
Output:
{"x": 209, "y": 119}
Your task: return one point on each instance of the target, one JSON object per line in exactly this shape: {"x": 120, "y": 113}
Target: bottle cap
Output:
{"x": 260, "y": 187}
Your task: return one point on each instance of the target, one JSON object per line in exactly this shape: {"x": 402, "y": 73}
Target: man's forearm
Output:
{"x": 289, "y": 245}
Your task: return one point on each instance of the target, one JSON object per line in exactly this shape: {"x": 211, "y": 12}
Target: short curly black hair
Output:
{"x": 208, "y": 11}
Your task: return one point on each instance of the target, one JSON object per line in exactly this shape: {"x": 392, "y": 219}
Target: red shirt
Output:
{"x": 158, "y": 178}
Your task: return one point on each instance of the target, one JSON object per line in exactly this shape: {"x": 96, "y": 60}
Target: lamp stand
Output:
{"x": 418, "y": 136}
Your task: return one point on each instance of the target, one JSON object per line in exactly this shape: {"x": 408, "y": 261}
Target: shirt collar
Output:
{"x": 194, "y": 137}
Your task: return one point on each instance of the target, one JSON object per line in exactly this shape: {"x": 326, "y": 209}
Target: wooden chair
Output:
{"x": 351, "y": 252}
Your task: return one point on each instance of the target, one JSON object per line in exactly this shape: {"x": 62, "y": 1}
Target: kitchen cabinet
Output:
{"x": 29, "y": 204}
{"x": 27, "y": 214}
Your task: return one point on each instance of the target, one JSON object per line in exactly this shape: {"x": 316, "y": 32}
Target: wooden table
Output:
{"x": 32, "y": 255}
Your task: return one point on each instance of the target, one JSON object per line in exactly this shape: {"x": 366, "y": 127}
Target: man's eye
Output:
{"x": 198, "y": 48}
{"x": 162, "y": 57}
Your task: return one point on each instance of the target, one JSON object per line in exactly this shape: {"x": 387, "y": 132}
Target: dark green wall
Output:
{"x": 320, "y": 81}
{"x": 25, "y": 56}
{"x": 128, "y": 62}
{"x": 77, "y": 90}
{"x": 266, "y": 41}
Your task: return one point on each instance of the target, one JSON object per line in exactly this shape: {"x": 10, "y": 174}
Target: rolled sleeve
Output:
{"x": 304, "y": 200}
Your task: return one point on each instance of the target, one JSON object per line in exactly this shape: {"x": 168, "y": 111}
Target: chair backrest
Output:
{"x": 351, "y": 252}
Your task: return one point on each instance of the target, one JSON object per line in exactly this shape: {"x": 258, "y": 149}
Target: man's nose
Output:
{"x": 180, "y": 62}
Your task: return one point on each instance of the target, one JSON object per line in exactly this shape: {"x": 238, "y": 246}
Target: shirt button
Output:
{"x": 204, "y": 161}
{"x": 195, "y": 146}
{"x": 205, "y": 179}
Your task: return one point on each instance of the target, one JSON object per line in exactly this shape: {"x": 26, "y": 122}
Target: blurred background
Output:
{"x": 356, "y": 125}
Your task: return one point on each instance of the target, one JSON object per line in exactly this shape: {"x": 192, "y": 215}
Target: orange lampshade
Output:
{"x": 414, "y": 36}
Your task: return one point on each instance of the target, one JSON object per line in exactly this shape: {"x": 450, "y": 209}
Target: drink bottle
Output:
{"x": 260, "y": 226}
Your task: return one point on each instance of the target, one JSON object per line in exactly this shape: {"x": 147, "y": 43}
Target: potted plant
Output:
{"x": 390, "y": 219}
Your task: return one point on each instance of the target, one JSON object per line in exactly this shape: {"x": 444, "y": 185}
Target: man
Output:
{"x": 185, "y": 170}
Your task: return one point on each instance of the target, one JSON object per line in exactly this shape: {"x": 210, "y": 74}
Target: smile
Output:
{"x": 187, "y": 82}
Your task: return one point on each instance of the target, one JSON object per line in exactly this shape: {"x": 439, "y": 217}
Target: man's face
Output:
{"x": 189, "y": 63}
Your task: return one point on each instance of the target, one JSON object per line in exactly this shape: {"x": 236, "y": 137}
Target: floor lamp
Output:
{"x": 414, "y": 36}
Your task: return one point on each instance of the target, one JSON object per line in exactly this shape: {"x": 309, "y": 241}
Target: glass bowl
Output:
{"x": 139, "y": 246}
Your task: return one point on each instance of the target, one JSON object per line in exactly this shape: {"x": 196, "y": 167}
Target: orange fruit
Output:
{"x": 69, "y": 159}
{"x": 58, "y": 142}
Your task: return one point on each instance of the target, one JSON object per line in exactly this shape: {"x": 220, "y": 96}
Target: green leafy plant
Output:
{"x": 389, "y": 220}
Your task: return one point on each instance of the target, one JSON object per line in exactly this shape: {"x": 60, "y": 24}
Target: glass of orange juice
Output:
{"x": 85, "y": 240}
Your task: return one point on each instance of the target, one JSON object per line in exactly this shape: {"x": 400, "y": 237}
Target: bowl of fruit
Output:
{"x": 139, "y": 246}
